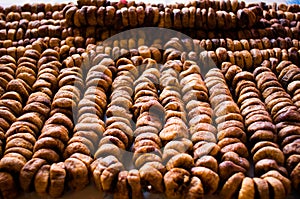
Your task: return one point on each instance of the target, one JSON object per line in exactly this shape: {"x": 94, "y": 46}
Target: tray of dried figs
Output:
{"x": 123, "y": 100}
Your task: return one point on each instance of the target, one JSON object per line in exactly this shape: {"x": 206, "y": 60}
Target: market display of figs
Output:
{"x": 190, "y": 100}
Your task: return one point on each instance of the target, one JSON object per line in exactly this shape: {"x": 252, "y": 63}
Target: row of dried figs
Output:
{"x": 247, "y": 59}
{"x": 33, "y": 8}
{"x": 16, "y": 87}
{"x": 175, "y": 134}
{"x": 202, "y": 130}
{"x": 15, "y": 16}
{"x": 21, "y": 34}
{"x": 149, "y": 115}
{"x": 92, "y": 15}
{"x": 57, "y": 28}
{"x": 274, "y": 23}
{"x": 117, "y": 137}
{"x": 284, "y": 113}
{"x": 23, "y": 132}
{"x": 222, "y": 5}
{"x": 187, "y": 17}
{"x": 44, "y": 173}
{"x": 227, "y": 5}
{"x": 231, "y": 135}
{"x": 191, "y": 17}
{"x": 90, "y": 126}
{"x": 244, "y": 58}
{"x": 288, "y": 76}
{"x": 267, "y": 156}
{"x": 254, "y": 112}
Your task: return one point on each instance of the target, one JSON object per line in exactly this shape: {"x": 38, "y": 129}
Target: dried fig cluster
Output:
{"x": 203, "y": 133}
{"x": 149, "y": 113}
{"x": 212, "y": 115}
{"x": 22, "y": 134}
{"x": 231, "y": 130}
{"x": 121, "y": 16}
{"x": 245, "y": 53}
{"x": 17, "y": 91}
{"x": 44, "y": 172}
{"x": 175, "y": 134}
{"x": 116, "y": 136}
{"x": 284, "y": 116}
{"x": 261, "y": 133}
{"x": 203, "y": 15}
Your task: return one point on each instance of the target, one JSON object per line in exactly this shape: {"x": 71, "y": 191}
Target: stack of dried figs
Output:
{"x": 215, "y": 112}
